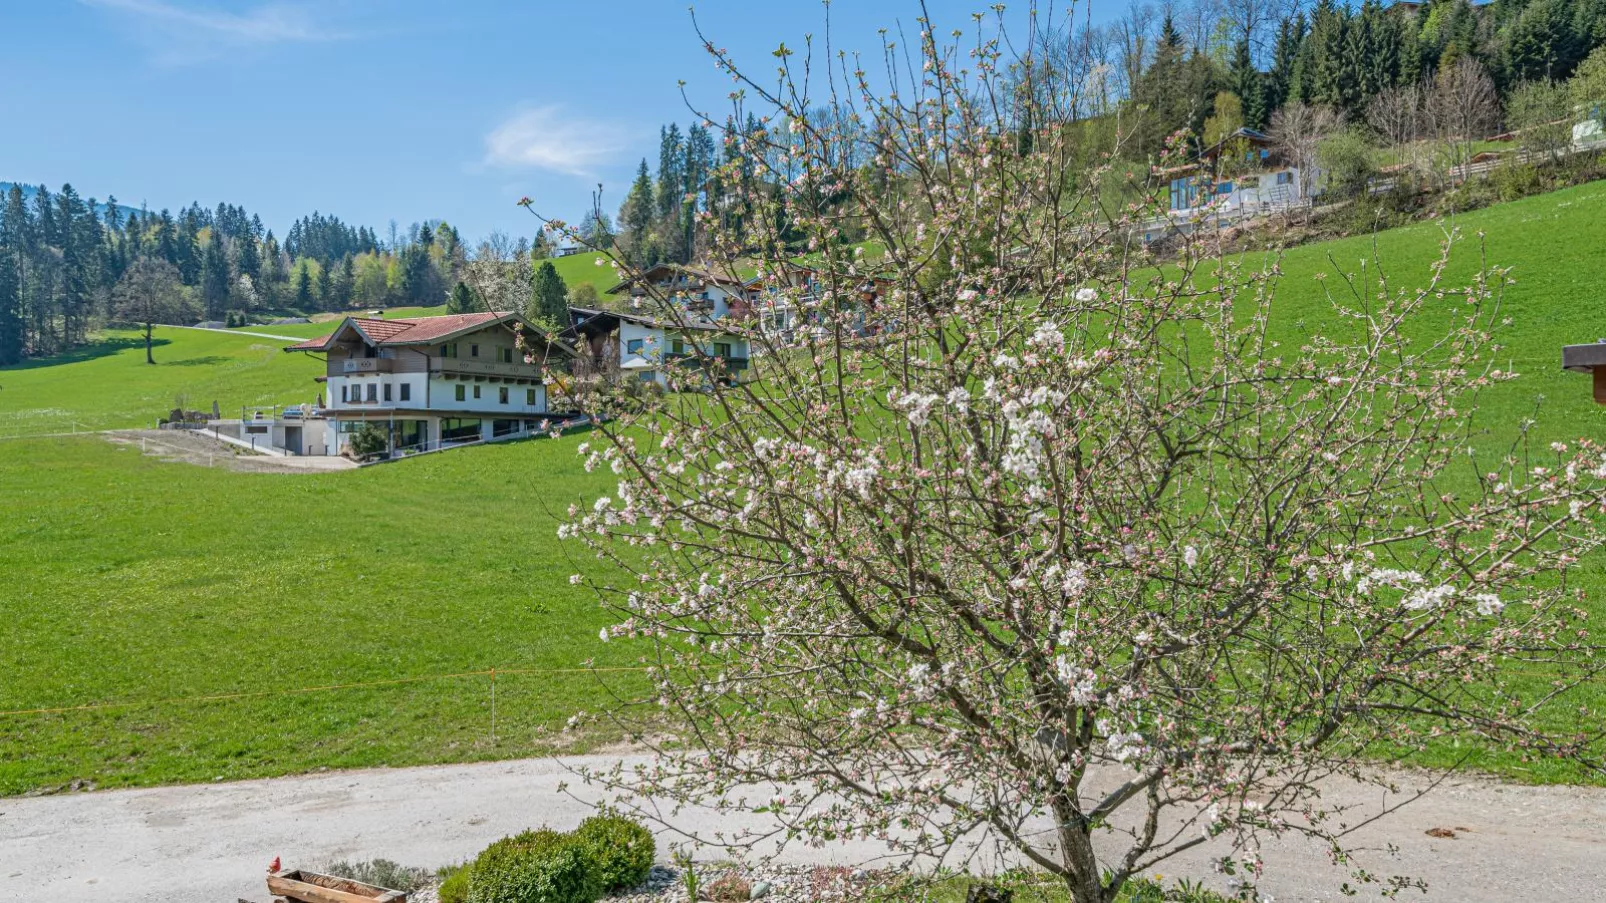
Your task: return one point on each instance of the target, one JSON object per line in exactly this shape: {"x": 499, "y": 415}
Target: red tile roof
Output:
{"x": 404, "y": 331}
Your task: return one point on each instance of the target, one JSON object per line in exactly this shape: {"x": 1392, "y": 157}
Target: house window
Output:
{"x": 633, "y": 346}
{"x": 476, "y": 392}
{"x": 449, "y": 350}
{"x": 473, "y": 351}
{"x": 678, "y": 346}
{"x": 722, "y": 349}
{"x": 406, "y": 391}
{"x": 455, "y": 430}
{"x": 373, "y": 391}
{"x": 1285, "y": 178}
{"x": 648, "y": 376}
{"x": 462, "y": 393}
{"x": 345, "y": 391}
{"x": 501, "y": 395}
{"x": 387, "y": 391}
{"x": 507, "y": 355}
{"x": 1224, "y": 188}
{"x": 529, "y": 397}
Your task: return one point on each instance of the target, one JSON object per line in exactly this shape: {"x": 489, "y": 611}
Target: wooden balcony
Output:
{"x": 456, "y": 368}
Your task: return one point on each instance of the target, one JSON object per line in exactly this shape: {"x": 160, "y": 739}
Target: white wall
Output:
{"x": 653, "y": 346}
{"x": 395, "y": 380}
{"x": 443, "y": 398}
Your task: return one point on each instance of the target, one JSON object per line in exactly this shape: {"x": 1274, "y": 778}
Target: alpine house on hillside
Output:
{"x": 433, "y": 381}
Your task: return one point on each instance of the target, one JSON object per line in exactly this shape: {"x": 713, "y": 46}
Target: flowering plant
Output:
{"x": 1017, "y": 529}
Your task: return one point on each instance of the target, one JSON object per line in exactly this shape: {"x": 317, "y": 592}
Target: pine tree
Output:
{"x": 215, "y": 277}
{"x": 326, "y": 289}
{"x": 636, "y": 218}
{"x": 1286, "y": 51}
{"x": 1247, "y": 82}
{"x": 304, "y": 299}
{"x": 13, "y": 249}
{"x": 549, "y": 297}
{"x": 462, "y": 300}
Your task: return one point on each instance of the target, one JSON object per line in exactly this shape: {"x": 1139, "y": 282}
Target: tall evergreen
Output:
{"x": 215, "y": 277}
{"x": 549, "y": 297}
{"x": 13, "y": 255}
{"x": 1247, "y": 82}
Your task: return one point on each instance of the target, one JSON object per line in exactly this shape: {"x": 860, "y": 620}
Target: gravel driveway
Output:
{"x": 212, "y": 843}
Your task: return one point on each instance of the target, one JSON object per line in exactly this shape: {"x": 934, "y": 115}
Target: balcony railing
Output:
{"x": 447, "y": 366}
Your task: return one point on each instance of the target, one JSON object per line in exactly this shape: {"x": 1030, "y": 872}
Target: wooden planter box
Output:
{"x": 311, "y": 887}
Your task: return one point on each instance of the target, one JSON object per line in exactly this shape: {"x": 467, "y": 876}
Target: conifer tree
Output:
{"x": 549, "y": 297}
{"x": 215, "y": 277}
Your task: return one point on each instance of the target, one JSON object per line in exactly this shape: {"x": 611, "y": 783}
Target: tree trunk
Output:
{"x": 148, "y": 358}
{"x": 1076, "y": 849}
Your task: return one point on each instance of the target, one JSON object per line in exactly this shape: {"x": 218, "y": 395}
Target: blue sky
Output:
{"x": 375, "y": 110}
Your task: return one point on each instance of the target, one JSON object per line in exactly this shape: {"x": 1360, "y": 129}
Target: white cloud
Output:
{"x": 543, "y": 138}
{"x": 191, "y": 33}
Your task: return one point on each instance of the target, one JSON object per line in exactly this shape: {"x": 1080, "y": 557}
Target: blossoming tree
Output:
{"x": 1013, "y": 534}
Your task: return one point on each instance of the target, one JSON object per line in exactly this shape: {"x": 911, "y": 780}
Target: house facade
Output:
{"x": 651, "y": 349}
{"x": 1242, "y": 174}
{"x": 702, "y": 292}
{"x": 434, "y": 381}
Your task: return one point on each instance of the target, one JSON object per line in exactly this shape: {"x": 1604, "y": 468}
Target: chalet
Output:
{"x": 612, "y": 345}
{"x": 433, "y": 381}
{"x": 699, "y": 290}
{"x": 781, "y": 300}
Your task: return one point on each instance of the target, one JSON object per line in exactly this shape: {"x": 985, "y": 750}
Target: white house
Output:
{"x": 1204, "y": 192}
{"x": 433, "y": 381}
{"x": 700, "y": 291}
{"x": 633, "y": 346}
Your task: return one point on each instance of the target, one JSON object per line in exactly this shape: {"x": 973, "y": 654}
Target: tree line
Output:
{"x": 69, "y": 264}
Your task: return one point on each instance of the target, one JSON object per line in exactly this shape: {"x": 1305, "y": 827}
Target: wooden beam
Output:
{"x": 1600, "y": 384}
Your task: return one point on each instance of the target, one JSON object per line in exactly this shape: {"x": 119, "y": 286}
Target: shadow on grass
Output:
{"x": 205, "y": 361}
{"x": 103, "y": 348}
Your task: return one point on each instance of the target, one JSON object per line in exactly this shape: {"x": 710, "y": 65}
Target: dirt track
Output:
{"x": 211, "y": 843}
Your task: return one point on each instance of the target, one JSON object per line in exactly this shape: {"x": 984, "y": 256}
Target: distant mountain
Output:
{"x": 28, "y": 192}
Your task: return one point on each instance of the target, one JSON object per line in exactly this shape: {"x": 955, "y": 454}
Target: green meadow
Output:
{"x": 144, "y": 587}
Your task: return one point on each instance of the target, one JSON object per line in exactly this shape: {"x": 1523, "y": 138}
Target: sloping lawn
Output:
{"x": 108, "y": 385}
{"x": 132, "y": 580}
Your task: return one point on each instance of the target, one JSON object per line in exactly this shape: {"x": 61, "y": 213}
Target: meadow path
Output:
{"x": 212, "y": 843}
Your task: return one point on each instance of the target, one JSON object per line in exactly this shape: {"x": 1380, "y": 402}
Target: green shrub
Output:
{"x": 454, "y": 884}
{"x": 622, "y": 850}
{"x": 534, "y": 867}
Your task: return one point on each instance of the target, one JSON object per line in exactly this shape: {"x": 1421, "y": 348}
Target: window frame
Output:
{"x": 462, "y": 392}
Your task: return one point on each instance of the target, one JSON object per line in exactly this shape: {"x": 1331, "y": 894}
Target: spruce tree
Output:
{"x": 13, "y": 250}
{"x": 549, "y": 297}
{"x": 215, "y": 277}
{"x": 304, "y": 299}
{"x": 326, "y": 288}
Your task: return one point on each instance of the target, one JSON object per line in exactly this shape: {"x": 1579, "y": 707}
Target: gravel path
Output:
{"x": 212, "y": 843}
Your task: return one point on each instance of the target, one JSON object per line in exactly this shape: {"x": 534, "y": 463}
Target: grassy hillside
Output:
{"x": 108, "y": 385}
{"x": 136, "y": 581}
{"x": 149, "y": 583}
